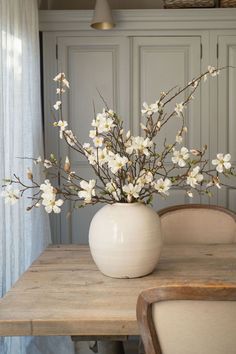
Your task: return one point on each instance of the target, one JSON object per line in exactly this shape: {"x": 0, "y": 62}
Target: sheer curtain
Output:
{"x": 23, "y": 235}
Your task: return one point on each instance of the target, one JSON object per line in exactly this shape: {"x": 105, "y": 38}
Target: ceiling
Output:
{"x": 89, "y": 4}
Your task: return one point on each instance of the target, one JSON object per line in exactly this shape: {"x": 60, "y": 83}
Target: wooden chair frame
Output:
{"x": 150, "y": 296}
{"x": 196, "y": 206}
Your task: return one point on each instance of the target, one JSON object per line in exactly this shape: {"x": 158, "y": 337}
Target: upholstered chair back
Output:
{"x": 198, "y": 224}
{"x": 196, "y": 322}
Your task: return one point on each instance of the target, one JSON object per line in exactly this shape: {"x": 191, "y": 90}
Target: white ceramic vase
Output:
{"x": 125, "y": 240}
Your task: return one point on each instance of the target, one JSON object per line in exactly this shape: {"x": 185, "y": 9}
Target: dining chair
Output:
{"x": 198, "y": 223}
{"x": 188, "y": 320}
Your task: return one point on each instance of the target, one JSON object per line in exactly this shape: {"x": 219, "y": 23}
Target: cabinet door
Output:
{"x": 93, "y": 65}
{"x": 227, "y": 110}
{"x": 160, "y": 63}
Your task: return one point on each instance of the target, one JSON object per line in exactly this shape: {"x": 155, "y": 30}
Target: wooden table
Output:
{"x": 63, "y": 293}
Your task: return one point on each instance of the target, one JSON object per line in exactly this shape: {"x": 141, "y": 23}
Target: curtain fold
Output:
{"x": 23, "y": 235}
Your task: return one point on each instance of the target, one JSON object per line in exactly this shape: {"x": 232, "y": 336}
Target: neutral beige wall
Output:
{"x": 89, "y": 4}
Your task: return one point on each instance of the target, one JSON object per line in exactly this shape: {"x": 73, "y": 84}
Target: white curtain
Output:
{"x": 23, "y": 235}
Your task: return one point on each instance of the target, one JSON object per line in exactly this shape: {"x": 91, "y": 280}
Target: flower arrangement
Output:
{"x": 127, "y": 168}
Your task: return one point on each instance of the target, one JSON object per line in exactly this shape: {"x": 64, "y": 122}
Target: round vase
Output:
{"x": 125, "y": 240}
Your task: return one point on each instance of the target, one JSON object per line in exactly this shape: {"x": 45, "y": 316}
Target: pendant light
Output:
{"x": 102, "y": 18}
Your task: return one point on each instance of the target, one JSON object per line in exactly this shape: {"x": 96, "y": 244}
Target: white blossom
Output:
{"x": 62, "y": 124}
{"x": 70, "y": 138}
{"x": 38, "y": 160}
{"x": 145, "y": 177}
{"x": 153, "y": 108}
{"x": 221, "y": 162}
{"x": 111, "y": 113}
{"x": 62, "y": 78}
{"x": 52, "y": 205}
{"x": 139, "y": 145}
{"x": 179, "y": 108}
{"x": 59, "y": 76}
{"x": 92, "y": 133}
{"x": 112, "y": 188}
{"x": 66, "y": 82}
{"x": 57, "y": 105}
{"x": 194, "y": 83}
{"x": 87, "y": 191}
{"x": 149, "y": 110}
{"x": 48, "y": 190}
{"x": 88, "y": 149}
{"x": 180, "y": 156}
{"x": 47, "y": 163}
{"x": 103, "y": 122}
{"x": 11, "y": 195}
{"x": 49, "y": 198}
{"x": 132, "y": 191}
{"x": 194, "y": 177}
{"x": 179, "y": 138}
{"x": 213, "y": 71}
{"x": 163, "y": 186}
{"x": 106, "y": 125}
{"x": 103, "y": 156}
{"x": 46, "y": 186}
{"x": 60, "y": 90}
{"x": 99, "y": 156}
{"x": 117, "y": 162}
{"x": 98, "y": 141}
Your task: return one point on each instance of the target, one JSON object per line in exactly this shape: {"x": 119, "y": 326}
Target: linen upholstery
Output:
{"x": 198, "y": 225}
{"x": 195, "y": 327}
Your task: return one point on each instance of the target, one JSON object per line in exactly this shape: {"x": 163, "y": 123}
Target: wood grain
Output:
{"x": 63, "y": 292}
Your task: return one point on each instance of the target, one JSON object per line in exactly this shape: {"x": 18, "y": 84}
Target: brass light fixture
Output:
{"x": 102, "y": 18}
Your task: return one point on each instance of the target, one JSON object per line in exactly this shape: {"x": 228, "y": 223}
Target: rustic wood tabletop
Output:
{"x": 63, "y": 292}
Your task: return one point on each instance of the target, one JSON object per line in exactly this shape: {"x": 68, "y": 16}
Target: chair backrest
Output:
{"x": 188, "y": 320}
{"x": 198, "y": 223}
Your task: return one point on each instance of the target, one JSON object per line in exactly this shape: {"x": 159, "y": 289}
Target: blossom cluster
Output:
{"x": 48, "y": 196}
{"x": 127, "y": 168}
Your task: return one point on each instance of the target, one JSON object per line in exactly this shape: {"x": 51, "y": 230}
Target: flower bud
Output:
{"x": 190, "y": 194}
{"x": 143, "y": 126}
{"x": 128, "y": 134}
{"x": 216, "y": 181}
{"x": 29, "y": 174}
{"x": 195, "y": 152}
{"x": 67, "y": 165}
